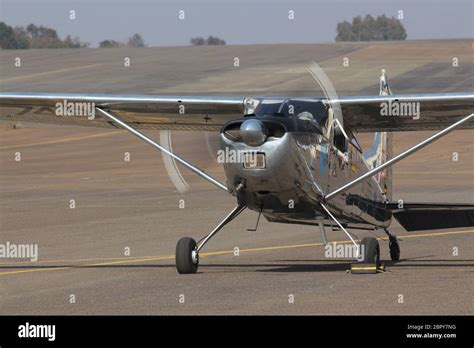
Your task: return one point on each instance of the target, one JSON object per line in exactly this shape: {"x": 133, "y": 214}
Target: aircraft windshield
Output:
{"x": 314, "y": 111}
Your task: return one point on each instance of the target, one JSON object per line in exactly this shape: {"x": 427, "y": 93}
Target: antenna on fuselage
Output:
{"x": 258, "y": 219}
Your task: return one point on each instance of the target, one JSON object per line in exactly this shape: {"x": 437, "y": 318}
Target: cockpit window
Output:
{"x": 295, "y": 108}
{"x": 267, "y": 109}
{"x": 356, "y": 144}
{"x": 354, "y": 141}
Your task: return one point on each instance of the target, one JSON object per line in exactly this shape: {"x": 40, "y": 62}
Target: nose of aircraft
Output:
{"x": 252, "y": 132}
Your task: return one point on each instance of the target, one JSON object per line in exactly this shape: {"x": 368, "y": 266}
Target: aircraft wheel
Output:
{"x": 187, "y": 258}
{"x": 394, "y": 249}
{"x": 371, "y": 250}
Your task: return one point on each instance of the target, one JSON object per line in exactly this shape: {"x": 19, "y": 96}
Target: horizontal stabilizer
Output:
{"x": 433, "y": 216}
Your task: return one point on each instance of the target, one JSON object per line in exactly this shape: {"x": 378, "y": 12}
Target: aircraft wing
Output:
{"x": 139, "y": 111}
{"x": 363, "y": 114}
{"x": 392, "y": 112}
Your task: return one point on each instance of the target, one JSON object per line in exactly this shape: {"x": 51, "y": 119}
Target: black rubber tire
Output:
{"x": 394, "y": 250}
{"x": 371, "y": 250}
{"x": 184, "y": 260}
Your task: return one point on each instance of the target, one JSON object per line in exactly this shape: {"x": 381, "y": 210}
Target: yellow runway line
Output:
{"x": 281, "y": 247}
{"x": 153, "y": 258}
{"x": 33, "y": 270}
{"x": 78, "y": 260}
{"x": 44, "y": 73}
{"x": 212, "y": 253}
{"x": 60, "y": 141}
{"x": 434, "y": 234}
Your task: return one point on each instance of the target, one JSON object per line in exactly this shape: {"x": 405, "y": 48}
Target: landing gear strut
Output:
{"x": 393, "y": 246}
{"x": 187, "y": 250}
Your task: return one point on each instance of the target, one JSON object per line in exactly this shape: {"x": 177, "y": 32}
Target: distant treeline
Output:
{"x": 381, "y": 28}
{"x": 35, "y": 37}
{"x": 135, "y": 40}
{"x": 369, "y": 28}
{"x": 210, "y": 41}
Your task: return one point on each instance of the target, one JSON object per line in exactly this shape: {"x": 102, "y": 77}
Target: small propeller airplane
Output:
{"x": 302, "y": 163}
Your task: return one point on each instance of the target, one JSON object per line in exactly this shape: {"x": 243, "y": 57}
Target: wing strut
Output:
{"x": 342, "y": 228}
{"x": 399, "y": 157}
{"x": 163, "y": 149}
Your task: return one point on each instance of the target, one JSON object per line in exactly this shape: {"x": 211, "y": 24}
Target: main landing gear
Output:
{"x": 187, "y": 250}
{"x": 393, "y": 246}
{"x": 369, "y": 257}
{"x": 370, "y": 249}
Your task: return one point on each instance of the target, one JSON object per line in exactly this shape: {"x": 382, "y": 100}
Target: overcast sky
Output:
{"x": 236, "y": 21}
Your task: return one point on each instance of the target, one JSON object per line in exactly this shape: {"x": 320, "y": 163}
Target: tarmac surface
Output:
{"x": 123, "y": 206}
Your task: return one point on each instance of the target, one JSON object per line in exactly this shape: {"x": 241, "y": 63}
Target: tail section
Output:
{"x": 381, "y": 150}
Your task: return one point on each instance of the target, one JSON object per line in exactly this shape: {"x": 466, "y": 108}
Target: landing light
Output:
{"x": 254, "y": 160}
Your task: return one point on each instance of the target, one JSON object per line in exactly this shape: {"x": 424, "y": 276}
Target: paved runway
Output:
{"x": 121, "y": 206}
